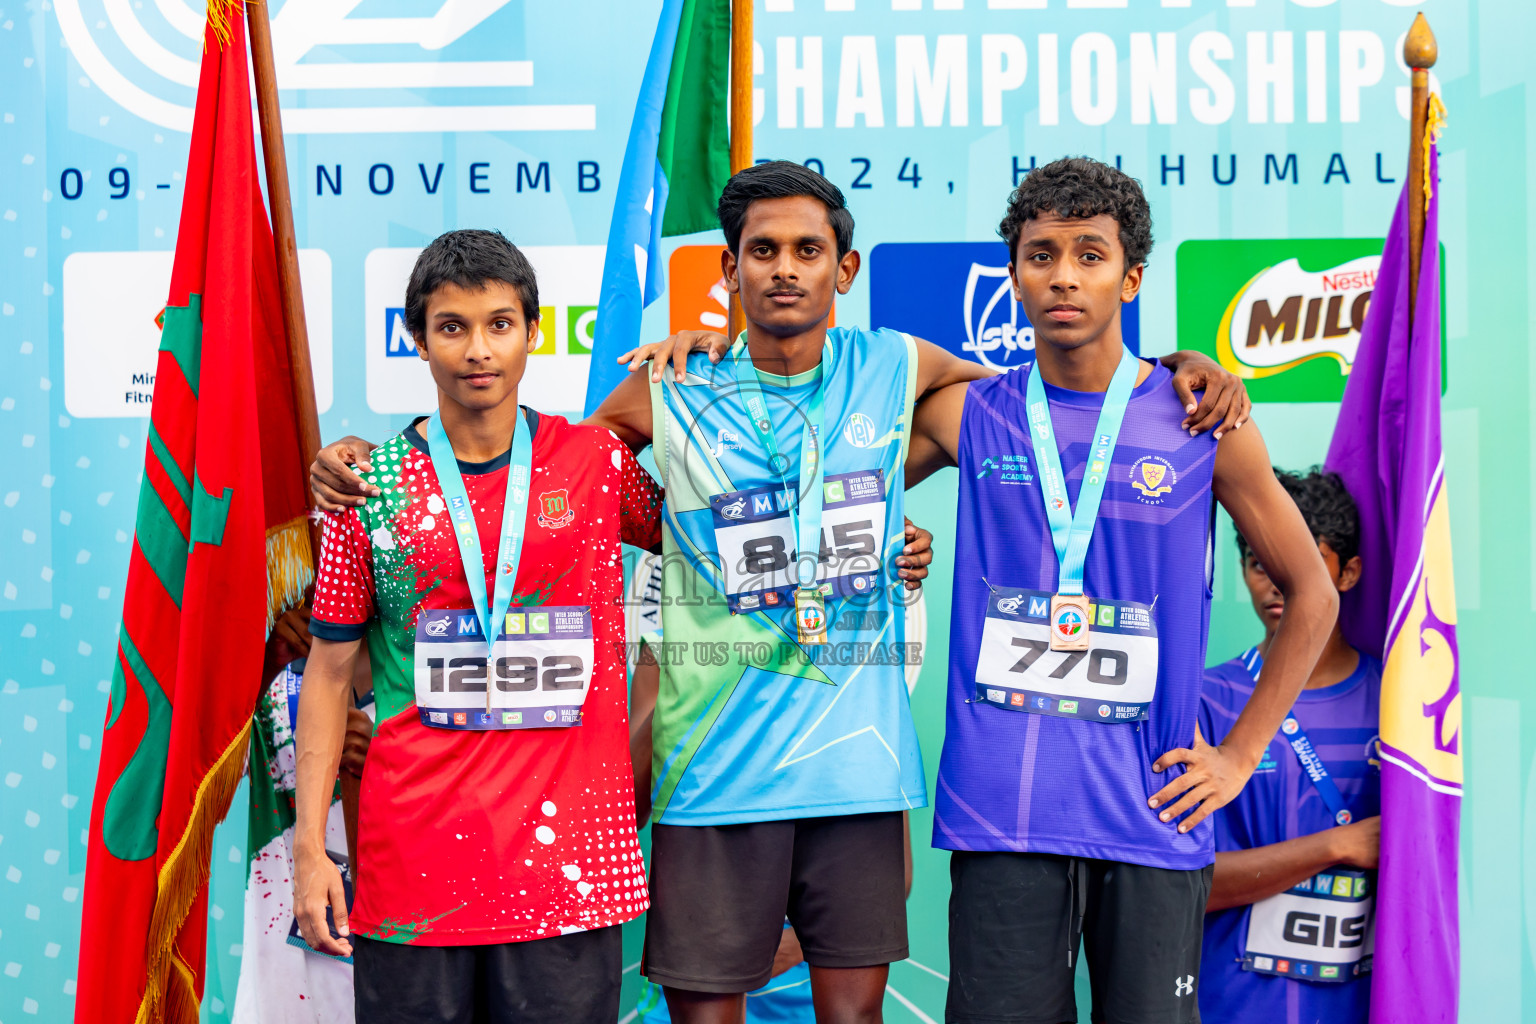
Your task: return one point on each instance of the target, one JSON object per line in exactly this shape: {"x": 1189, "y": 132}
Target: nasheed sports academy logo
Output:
{"x": 1285, "y": 315}
{"x": 958, "y": 295}
{"x": 145, "y": 58}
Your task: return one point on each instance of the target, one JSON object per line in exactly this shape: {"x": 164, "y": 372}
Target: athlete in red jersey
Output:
{"x": 496, "y": 837}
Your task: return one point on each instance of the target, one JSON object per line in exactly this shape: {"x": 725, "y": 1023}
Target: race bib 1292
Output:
{"x": 538, "y": 678}
{"x": 1114, "y": 680}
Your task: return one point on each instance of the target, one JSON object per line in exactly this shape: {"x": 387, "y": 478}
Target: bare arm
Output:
{"x": 1248, "y": 876}
{"x": 627, "y": 412}
{"x": 642, "y": 709}
{"x": 1264, "y": 514}
{"x": 935, "y": 440}
{"x": 323, "y": 703}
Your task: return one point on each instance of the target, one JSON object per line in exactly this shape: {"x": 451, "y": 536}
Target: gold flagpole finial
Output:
{"x": 1420, "y": 50}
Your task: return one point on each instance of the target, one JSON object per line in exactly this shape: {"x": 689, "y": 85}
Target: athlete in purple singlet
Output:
{"x": 1074, "y": 785}
{"x": 1284, "y": 944}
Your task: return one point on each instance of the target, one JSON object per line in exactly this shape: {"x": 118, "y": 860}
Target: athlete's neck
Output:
{"x": 1336, "y": 664}
{"x": 1086, "y": 367}
{"x": 479, "y": 435}
{"x": 786, "y": 356}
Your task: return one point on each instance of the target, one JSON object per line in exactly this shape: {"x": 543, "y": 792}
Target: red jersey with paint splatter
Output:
{"x": 467, "y": 837}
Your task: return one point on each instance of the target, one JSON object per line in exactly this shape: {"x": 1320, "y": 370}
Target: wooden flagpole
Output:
{"x": 302, "y": 378}
{"x": 1419, "y": 52}
{"x": 741, "y": 115}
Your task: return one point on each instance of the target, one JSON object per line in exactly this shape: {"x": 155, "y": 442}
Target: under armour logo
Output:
{"x": 1184, "y": 986}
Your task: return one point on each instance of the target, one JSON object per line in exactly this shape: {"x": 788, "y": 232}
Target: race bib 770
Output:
{"x": 1114, "y": 680}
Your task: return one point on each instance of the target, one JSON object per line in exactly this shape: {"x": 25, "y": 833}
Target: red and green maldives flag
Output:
{"x": 222, "y": 499}
{"x": 675, "y": 164}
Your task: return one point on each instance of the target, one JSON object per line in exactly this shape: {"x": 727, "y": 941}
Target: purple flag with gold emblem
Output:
{"x": 1387, "y": 447}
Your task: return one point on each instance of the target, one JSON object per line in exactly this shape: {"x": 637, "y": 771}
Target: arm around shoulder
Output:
{"x": 627, "y": 412}
{"x": 935, "y": 436}
{"x": 1269, "y": 521}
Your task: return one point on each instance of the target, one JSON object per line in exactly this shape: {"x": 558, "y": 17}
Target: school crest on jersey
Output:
{"x": 1154, "y": 478}
{"x": 555, "y": 509}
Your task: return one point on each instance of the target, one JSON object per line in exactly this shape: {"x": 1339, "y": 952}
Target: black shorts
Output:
{"x": 567, "y": 979}
{"x": 1016, "y": 921}
{"x": 720, "y": 894}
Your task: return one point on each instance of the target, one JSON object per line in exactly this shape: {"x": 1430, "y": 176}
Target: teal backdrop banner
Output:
{"x": 1271, "y": 138}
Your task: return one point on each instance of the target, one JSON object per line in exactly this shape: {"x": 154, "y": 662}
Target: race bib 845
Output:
{"x": 755, "y": 537}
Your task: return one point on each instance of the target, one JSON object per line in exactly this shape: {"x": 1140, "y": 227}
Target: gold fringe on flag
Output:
{"x": 290, "y": 567}
{"x": 1434, "y": 125}
{"x": 170, "y": 995}
{"x": 220, "y": 12}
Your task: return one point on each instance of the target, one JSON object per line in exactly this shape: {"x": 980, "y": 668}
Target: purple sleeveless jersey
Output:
{"x": 1073, "y": 779}
{"x": 1279, "y": 803}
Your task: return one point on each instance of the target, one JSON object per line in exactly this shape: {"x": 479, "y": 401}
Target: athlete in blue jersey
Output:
{"x": 1287, "y": 936}
{"x": 786, "y": 998}
{"x": 1081, "y": 603}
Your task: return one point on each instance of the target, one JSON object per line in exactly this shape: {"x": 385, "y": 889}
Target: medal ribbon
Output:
{"x": 1311, "y": 762}
{"x": 514, "y": 514}
{"x": 806, "y": 511}
{"x": 1072, "y": 532}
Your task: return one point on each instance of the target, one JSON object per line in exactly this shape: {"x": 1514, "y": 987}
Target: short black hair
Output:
{"x": 468, "y": 258}
{"x": 781, "y": 179}
{"x": 1326, "y": 506}
{"x": 1076, "y": 186}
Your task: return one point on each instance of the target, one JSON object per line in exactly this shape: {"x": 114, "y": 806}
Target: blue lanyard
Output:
{"x": 1311, "y": 762}
{"x": 1071, "y": 533}
{"x": 806, "y": 511}
{"x": 514, "y": 514}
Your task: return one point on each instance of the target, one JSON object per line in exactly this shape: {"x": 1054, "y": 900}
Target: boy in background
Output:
{"x": 1287, "y": 929}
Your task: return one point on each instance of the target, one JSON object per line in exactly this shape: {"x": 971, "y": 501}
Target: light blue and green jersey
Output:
{"x": 747, "y": 726}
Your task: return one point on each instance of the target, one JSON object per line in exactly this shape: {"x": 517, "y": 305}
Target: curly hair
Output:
{"x": 1076, "y": 186}
{"x": 1326, "y": 506}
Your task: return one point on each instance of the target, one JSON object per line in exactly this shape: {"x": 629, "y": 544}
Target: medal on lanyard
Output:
{"x": 1071, "y": 531}
{"x": 805, "y": 514}
{"x": 514, "y": 514}
{"x": 1306, "y": 754}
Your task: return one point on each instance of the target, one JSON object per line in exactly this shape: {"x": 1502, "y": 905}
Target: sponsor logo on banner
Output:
{"x": 111, "y": 372}
{"x": 1285, "y": 315}
{"x": 958, "y": 295}
{"x": 570, "y": 277}
{"x": 148, "y": 65}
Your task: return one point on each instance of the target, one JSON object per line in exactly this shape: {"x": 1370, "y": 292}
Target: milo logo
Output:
{"x": 1284, "y": 314}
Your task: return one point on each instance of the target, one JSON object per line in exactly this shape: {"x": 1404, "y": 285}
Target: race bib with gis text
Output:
{"x": 1318, "y": 930}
